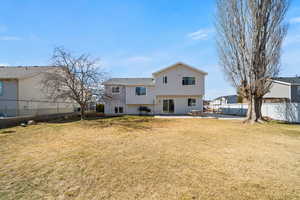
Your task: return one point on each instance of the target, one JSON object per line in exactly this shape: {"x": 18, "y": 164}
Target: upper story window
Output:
{"x": 1, "y": 88}
{"x": 165, "y": 79}
{"x": 191, "y": 102}
{"x": 188, "y": 81}
{"x": 115, "y": 90}
{"x": 139, "y": 91}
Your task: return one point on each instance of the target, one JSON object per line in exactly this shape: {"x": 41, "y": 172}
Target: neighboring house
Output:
{"x": 284, "y": 89}
{"x": 230, "y": 99}
{"x": 177, "y": 89}
{"x": 22, "y": 93}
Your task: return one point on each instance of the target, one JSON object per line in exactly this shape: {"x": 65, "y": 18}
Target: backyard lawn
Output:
{"x": 146, "y": 158}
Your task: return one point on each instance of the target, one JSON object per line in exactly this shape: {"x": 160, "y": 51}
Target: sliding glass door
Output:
{"x": 168, "y": 106}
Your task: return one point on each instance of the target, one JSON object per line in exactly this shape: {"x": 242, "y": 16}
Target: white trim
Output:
{"x": 177, "y": 64}
{"x": 285, "y": 83}
{"x": 133, "y": 85}
{"x": 281, "y": 82}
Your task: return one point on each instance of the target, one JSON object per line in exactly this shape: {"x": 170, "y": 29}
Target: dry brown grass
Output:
{"x": 146, "y": 158}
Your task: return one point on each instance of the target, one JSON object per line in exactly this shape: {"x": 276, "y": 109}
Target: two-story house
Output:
{"x": 177, "y": 89}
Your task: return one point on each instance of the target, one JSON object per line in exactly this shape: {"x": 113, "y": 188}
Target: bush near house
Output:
{"x": 100, "y": 108}
{"x": 144, "y": 110}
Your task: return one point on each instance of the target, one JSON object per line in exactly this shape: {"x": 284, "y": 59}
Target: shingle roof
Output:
{"x": 129, "y": 81}
{"x": 292, "y": 80}
{"x": 21, "y": 72}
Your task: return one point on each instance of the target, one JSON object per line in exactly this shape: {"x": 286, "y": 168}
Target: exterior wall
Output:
{"x": 8, "y": 103}
{"x": 154, "y": 94}
{"x": 109, "y": 107}
{"x": 132, "y": 98}
{"x": 180, "y": 103}
{"x": 114, "y": 99}
{"x": 279, "y": 90}
{"x": 35, "y": 100}
{"x": 174, "y": 85}
{"x": 119, "y": 96}
{"x": 294, "y": 93}
{"x": 32, "y": 89}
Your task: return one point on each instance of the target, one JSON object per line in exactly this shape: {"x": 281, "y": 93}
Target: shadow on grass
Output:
{"x": 68, "y": 119}
{"x": 7, "y": 132}
{"x": 124, "y": 122}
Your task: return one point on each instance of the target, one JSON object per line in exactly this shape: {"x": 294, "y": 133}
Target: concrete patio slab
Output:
{"x": 207, "y": 116}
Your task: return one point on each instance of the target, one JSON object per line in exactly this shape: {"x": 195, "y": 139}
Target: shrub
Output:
{"x": 144, "y": 109}
{"x": 100, "y": 108}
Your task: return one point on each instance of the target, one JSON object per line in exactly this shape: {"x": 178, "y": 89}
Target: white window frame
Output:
{"x": 112, "y": 89}
{"x": 142, "y": 94}
{"x": 193, "y": 104}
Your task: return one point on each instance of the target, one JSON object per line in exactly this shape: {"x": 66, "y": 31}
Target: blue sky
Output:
{"x": 133, "y": 38}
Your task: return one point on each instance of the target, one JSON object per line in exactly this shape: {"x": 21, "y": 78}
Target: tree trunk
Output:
{"x": 254, "y": 114}
{"x": 82, "y": 112}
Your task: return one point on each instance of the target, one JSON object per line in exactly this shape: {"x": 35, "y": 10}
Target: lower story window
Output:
{"x": 191, "y": 102}
{"x": 119, "y": 109}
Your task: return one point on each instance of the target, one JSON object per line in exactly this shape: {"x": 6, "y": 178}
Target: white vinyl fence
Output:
{"x": 289, "y": 112}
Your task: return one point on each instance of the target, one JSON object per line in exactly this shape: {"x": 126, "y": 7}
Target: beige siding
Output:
{"x": 174, "y": 85}
{"x": 37, "y": 100}
{"x": 180, "y": 103}
{"x": 132, "y": 98}
{"x": 279, "y": 90}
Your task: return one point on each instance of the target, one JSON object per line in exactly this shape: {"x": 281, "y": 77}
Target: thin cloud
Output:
{"x": 201, "y": 34}
{"x": 295, "y": 20}
{"x": 9, "y": 38}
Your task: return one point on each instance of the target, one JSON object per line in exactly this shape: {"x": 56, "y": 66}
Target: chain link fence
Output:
{"x": 16, "y": 108}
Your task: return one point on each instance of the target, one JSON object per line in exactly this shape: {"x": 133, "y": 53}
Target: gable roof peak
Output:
{"x": 179, "y": 64}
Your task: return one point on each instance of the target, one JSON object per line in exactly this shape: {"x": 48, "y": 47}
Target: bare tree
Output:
{"x": 249, "y": 37}
{"x": 76, "y": 78}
